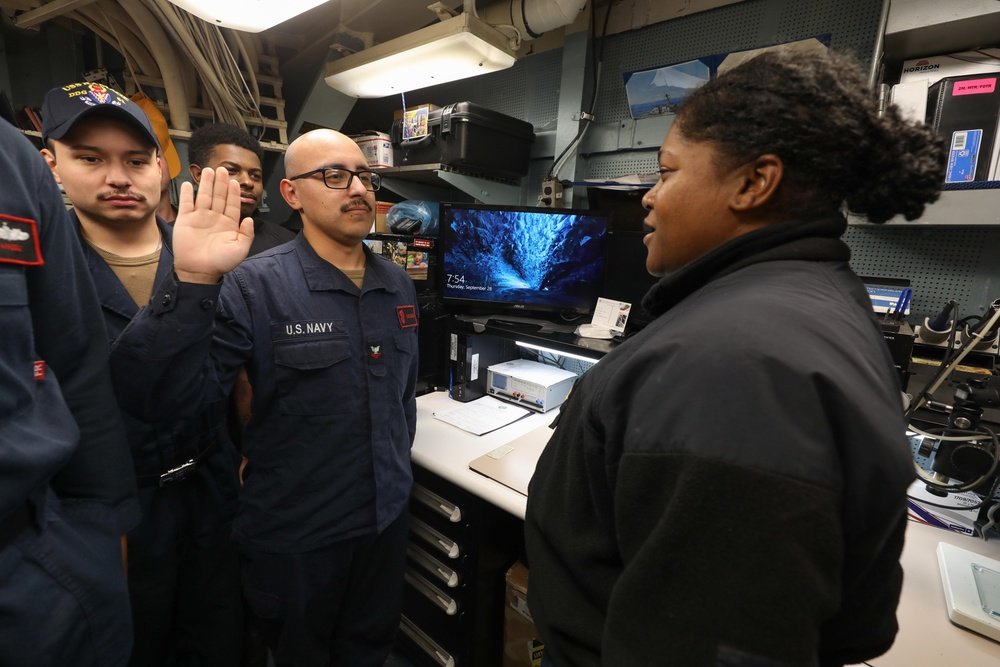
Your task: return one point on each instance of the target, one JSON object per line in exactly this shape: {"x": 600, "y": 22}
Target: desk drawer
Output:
{"x": 430, "y": 592}
{"x": 429, "y": 650}
{"x": 441, "y": 573}
{"x": 451, "y": 511}
{"x": 440, "y": 542}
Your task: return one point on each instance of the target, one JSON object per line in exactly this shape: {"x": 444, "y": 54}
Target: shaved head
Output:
{"x": 304, "y": 148}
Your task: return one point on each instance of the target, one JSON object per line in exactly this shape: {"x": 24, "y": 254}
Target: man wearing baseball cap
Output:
{"x": 182, "y": 564}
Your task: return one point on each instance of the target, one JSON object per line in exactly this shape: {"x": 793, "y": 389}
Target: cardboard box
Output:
{"x": 398, "y": 113}
{"x": 521, "y": 645}
{"x": 377, "y": 147}
{"x": 381, "y": 210}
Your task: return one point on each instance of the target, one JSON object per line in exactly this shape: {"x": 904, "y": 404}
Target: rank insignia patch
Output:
{"x": 19, "y": 241}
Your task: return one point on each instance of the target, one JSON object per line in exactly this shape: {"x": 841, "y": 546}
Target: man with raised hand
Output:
{"x": 328, "y": 333}
{"x": 183, "y": 563}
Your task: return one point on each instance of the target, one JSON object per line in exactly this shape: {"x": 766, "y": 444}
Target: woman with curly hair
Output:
{"x": 728, "y": 486}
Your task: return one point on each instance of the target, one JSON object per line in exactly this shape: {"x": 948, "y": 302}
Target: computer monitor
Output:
{"x": 522, "y": 259}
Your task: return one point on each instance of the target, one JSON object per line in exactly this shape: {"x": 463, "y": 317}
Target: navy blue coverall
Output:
{"x": 183, "y": 563}
{"x": 67, "y": 492}
{"x": 333, "y": 371}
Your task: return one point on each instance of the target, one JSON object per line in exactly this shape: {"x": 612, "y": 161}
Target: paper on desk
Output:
{"x": 482, "y": 415}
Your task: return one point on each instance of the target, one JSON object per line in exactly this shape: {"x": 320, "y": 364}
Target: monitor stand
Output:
{"x": 517, "y": 323}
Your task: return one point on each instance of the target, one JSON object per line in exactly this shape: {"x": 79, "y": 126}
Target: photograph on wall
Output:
{"x": 661, "y": 90}
{"x": 416, "y": 264}
{"x": 727, "y": 61}
{"x": 655, "y": 92}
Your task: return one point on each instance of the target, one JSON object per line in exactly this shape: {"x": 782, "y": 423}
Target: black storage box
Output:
{"x": 468, "y": 137}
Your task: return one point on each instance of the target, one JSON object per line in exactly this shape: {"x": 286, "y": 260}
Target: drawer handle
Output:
{"x": 431, "y": 564}
{"x": 432, "y": 500}
{"x": 447, "y": 547}
{"x": 427, "y": 589}
{"x": 425, "y": 643}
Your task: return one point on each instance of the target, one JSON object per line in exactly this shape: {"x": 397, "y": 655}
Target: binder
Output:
{"x": 965, "y": 110}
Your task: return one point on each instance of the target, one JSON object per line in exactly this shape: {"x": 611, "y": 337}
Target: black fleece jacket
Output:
{"x": 728, "y": 486}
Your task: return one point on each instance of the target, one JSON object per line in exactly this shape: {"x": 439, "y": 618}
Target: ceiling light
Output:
{"x": 453, "y": 49}
{"x": 246, "y": 15}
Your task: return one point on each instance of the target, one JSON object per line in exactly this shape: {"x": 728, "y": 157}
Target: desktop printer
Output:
{"x": 529, "y": 383}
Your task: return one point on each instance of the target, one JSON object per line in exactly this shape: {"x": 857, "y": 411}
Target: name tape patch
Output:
{"x": 407, "y": 316}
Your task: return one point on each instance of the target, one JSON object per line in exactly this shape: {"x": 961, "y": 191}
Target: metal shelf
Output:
{"x": 954, "y": 208}
{"x": 431, "y": 181}
{"x": 916, "y": 28}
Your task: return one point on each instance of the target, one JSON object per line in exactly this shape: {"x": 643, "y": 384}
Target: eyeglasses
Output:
{"x": 341, "y": 179}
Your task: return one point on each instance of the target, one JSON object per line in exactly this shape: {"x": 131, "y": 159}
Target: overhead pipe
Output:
{"x": 121, "y": 38}
{"x": 532, "y": 18}
{"x": 166, "y": 58}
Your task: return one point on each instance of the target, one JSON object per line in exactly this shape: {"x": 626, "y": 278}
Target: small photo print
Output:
{"x": 416, "y": 259}
{"x": 655, "y": 92}
{"x": 396, "y": 252}
{"x": 416, "y": 264}
{"x": 415, "y": 122}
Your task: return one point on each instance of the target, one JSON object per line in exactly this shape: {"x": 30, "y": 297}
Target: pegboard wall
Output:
{"x": 619, "y": 145}
{"x": 941, "y": 263}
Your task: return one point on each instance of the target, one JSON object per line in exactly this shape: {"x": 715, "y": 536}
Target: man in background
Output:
{"x": 220, "y": 145}
{"x": 183, "y": 577}
{"x": 67, "y": 493}
{"x": 239, "y": 153}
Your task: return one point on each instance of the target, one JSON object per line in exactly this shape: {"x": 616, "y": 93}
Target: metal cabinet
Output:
{"x": 458, "y": 552}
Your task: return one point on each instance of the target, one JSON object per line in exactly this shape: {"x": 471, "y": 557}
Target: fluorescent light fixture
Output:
{"x": 560, "y": 353}
{"x": 453, "y": 49}
{"x": 246, "y": 15}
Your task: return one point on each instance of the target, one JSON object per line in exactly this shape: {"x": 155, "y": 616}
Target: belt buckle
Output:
{"x": 178, "y": 473}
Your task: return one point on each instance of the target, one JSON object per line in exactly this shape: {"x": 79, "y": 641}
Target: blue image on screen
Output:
{"x": 548, "y": 259}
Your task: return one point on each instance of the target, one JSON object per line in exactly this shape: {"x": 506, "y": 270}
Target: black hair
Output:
{"x": 204, "y": 140}
{"x": 816, "y": 112}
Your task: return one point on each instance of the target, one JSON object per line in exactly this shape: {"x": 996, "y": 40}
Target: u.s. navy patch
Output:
{"x": 407, "y": 316}
{"x": 19, "y": 241}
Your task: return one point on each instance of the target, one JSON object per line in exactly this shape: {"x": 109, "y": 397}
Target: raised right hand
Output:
{"x": 209, "y": 238}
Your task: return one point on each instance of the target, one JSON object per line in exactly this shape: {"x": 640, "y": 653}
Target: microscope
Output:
{"x": 965, "y": 456}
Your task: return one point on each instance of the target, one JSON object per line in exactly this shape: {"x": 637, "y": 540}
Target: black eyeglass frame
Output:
{"x": 376, "y": 179}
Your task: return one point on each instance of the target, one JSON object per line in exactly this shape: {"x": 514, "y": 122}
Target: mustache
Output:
{"x": 102, "y": 196}
{"x": 357, "y": 201}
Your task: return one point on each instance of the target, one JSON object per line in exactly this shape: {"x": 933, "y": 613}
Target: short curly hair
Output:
{"x": 204, "y": 140}
{"x": 817, "y": 113}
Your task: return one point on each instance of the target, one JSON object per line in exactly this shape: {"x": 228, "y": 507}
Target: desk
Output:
{"x": 927, "y": 638}
{"x": 446, "y": 450}
{"x": 465, "y": 532}
{"x": 926, "y": 635}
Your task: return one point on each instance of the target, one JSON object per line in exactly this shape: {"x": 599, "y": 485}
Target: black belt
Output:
{"x": 181, "y": 472}
{"x": 14, "y": 524}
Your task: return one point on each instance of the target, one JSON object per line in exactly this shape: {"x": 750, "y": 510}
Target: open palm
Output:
{"x": 209, "y": 238}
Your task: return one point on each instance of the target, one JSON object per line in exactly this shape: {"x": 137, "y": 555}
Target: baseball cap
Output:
{"x": 162, "y": 131}
{"x": 64, "y": 106}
